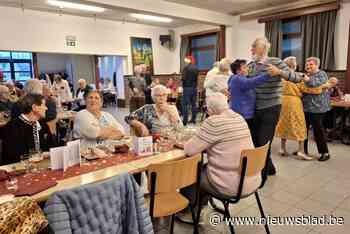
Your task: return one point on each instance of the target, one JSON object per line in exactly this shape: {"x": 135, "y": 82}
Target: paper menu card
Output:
{"x": 143, "y": 146}
{"x": 73, "y": 154}
{"x": 56, "y": 157}
{"x": 65, "y": 156}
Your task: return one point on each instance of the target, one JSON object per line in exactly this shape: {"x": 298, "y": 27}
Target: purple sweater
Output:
{"x": 242, "y": 92}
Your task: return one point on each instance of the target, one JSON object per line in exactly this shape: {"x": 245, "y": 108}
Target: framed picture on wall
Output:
{"x": 141, "y": 52}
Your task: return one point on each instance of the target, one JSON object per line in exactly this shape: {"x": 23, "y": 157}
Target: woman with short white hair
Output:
{"x": 217, "y": 81}
{"x": 223, "y": 136}
{"x": 153, "y": 117}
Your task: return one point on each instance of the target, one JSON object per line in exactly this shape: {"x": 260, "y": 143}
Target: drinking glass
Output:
{"x": 34, "y": 158}
{"x": 25, "y": 162}
{"x": 156, "y": 147}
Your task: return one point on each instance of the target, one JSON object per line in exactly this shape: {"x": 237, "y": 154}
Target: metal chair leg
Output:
{"x": 215, "y": 207}
{"x": 194, "y": 219}
{"x": 228, "y": 216}
{"x": 262, "y": 212}
{"x": 172, "y": 224}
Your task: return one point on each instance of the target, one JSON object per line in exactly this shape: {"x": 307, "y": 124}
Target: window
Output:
{"x": 291, "y": 44}
{"x": 204, "y": 50}
{"x": 16, "y": 65}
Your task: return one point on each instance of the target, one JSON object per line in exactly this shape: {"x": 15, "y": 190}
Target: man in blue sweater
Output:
{"x": 242, "y": 90}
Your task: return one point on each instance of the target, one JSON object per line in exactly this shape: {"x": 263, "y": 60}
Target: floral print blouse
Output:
{"x": 148, "y": 116}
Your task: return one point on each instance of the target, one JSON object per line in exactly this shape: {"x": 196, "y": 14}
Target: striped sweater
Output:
{"x": 224, "y": 136}
{"x": 269, "y": 93}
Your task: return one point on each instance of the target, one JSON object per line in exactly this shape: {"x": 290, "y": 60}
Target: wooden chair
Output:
{"x": 252, "y": 163}
{"x": 165, "y": 179}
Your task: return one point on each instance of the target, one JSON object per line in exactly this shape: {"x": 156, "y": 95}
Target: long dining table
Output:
{"x": 135, "y": 166}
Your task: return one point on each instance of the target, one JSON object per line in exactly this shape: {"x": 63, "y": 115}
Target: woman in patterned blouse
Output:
{"x": 151, "y": 118}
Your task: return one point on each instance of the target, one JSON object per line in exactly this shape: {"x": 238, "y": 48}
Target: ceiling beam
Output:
{"x": 170, "y": 9}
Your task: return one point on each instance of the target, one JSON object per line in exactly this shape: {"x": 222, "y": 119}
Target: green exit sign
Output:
{"x": 71, "y": 41}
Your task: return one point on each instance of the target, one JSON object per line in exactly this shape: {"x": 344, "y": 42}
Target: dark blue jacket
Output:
{"x": 242, "y": 93}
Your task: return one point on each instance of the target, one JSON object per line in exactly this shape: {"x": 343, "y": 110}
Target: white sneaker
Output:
{"x": 303, "y": 156}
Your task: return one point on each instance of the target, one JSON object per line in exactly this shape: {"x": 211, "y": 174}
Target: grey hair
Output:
{"x": 217, "y": 102}
{"x": 81, "y": 80}
{"x": 262, "y": 41}
{"x": 314, "y": 59}
{"x": 33, "y": 86}
{"x": 224, "y": 65}
{"x": 156, "y": 90}
{"x": 291, "y": 61}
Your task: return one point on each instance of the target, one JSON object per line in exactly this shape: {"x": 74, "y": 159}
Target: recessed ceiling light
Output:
{"x": 151, "y": 18}
{"x": 77, "y": 6}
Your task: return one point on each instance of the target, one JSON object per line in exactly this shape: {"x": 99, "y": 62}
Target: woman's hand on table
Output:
{"x": 110, "y": 133}
{"x": 116, "y": 134}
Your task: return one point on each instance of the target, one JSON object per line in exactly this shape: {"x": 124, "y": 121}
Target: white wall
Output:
{"x": 246, "y": 33}
{"x": 342, "y": 36}
{"x": 45, "y": 32}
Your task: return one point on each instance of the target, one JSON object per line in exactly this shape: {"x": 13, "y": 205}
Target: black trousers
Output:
{"x": 315, "y": 120}
{"x": 263, "y": 131}
{"x": 250, "y": 123}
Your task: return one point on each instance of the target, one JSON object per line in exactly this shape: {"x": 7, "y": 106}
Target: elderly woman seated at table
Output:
{"x": 153, "y": 117}
{"x": 223, "y": 135}
{"x": 21, "y": 134}
{"x": 93, "y": 125}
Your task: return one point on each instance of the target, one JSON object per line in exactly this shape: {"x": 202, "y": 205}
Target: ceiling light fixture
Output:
{"x": 151, "y": 18}
{"x": 76, "y": 6}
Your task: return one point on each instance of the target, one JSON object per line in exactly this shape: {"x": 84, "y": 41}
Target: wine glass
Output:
{"x": 25, "y": 162}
